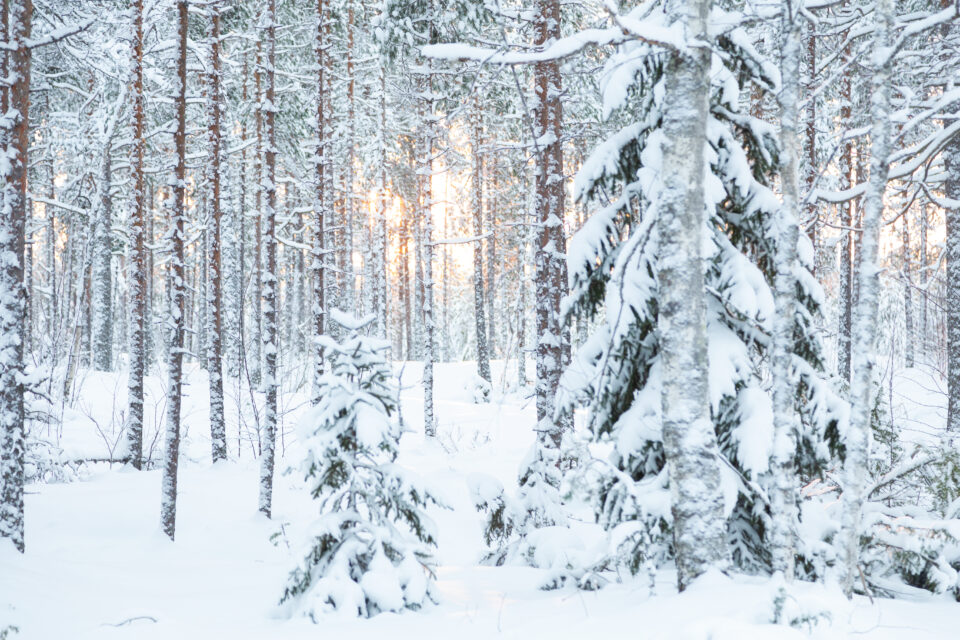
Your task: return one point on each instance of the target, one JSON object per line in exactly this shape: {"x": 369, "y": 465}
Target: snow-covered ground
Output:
{"x": 97, "y": 565}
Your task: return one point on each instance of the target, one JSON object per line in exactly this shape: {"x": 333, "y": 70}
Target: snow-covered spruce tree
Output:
{"x": 614, "y": 261}
{"x": 370, "y": 547}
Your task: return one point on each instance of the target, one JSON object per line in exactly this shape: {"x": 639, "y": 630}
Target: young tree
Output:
{"x": 370, "y": 553}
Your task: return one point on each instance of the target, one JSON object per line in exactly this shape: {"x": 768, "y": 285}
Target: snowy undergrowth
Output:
{"x": 97, "y": 566}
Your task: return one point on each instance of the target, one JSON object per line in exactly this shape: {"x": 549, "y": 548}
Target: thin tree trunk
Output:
{"x": 907, "y": 276}
{"x": 177, "y": 293}
{"x": 846, "y": 222}
{"x": 16, "y": 99}
{"x": 318, "y": 251}
{"x": 137, "y": 263}
{"x": 218, "y": 433}
{"x": 865, "y": 320}
{"x": 483, "y": 355}
{"x": 269, "y": 277}
{"x": 551, "y": 265}
{"x": 426, "y": 249}
{"x": 102, "y": 338}
{"x": 689, "y": 440}
{"x": 255, "y": 363}
{"x": 783, "y": 498}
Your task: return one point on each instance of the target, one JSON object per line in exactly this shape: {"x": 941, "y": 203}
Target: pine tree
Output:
{"x": 176, "y": 284}
{"x": 370, "y": 548}
{"x": 14, "y": 138}
{"x": 137, "y": 258}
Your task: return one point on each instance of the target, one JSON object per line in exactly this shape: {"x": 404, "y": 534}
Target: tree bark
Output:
{"x": 15, "y": 134}
{"x": 783, "y": 498}
{"x": 218, "y": 433}
{"x": 318, "y": 251}
{"x": 689, "y": 439}
{"x": 483, "y": 354}
{"x": 137, "y": 259}
{"x": 176, "y": 286}
{"x": 865, "y": 320}
{"x": 269, "y": 277}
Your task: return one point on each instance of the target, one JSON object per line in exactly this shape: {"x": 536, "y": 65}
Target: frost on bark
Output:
{"x": 483, "y": 355}
{"x": 218, "y": 435}
{"x": 320, "y": 213}
{"x": 176, "y": 286}
{"x": 255, "y": 358}
{"x": 689, "y": 440}
{"x": 269, "y": 275}
{"x": 847, "y": 178}
{"x": 101, "y": 304}
{"x": 14, "y": 131}
{"x": 951, "y": 161}
{"x": 136, "y": 260}
{"x": 783, "y": 497}
{"x": 426, "y": 249}
{"x": 540, "y": 474}
{"x": 907, "y": 276}
{"x": 865, "y": 319}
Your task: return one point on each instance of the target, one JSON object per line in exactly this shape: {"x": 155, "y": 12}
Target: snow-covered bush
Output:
{"x": 369, "y": 549}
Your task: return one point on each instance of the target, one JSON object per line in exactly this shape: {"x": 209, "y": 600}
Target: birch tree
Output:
{"x": 865, "y": 319}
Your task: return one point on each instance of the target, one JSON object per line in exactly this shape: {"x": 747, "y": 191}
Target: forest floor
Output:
{"x": 97, "y": 565}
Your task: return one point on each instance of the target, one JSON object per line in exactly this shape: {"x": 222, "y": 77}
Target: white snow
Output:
{"x": 97, "y": 566}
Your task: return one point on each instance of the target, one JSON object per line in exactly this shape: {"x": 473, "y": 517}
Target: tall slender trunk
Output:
{"x": 15, "y": 140}
{"x": 426, "y": 249}
{"x": 176, "y": 286}
{"x": 137, "y": 262}
{"x": 491, "y": 280}
{"x": 381, "y": 307}
{"x": 256, "y": 356}
{"x": 689, "y": 440}
{"x": 551, "y": 265}
{"x": 349, "y": 301}
{"x": 483, "y": 355}
{"x": 783, "y": 498}
{"x": 102, "y": 307}
{"x": 951, "y": 161}
{"x": 907, "y": 276}
{"x": 318, "y": 257}
{"x": 846, "y": 222}
{"x": 865, "y": 320}
{"x": 269, "y": 277}
{"x": 218, "y": 433}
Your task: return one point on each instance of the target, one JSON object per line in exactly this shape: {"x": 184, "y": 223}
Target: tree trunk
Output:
{"x": 551, "y": 265}
{"x": 483, "y": 355}
{"x": 846, "y": 222}
{"x": 865, "y": 321}
{"x": 689, "y": 439}
{"x": 269, "y": 277}
{"x": 783, "y": 498}
{"x": 426, "y": 250}
{"x": 17, "y": 22}
{"x": 909, "y": 337}
{"x": 176, "y": 287}
{"x": 137, "y": 262}
{"x": 218, "y": 433}
{"x": 255, "y": 363}
{"x": 102, "y": 330}
{"x": 318, "y": 251}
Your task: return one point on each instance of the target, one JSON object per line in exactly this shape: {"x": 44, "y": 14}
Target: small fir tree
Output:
{"x": 370, "y": 546}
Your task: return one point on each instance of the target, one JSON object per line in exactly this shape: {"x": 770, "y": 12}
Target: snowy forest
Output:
{"x": 485, "y": 318}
